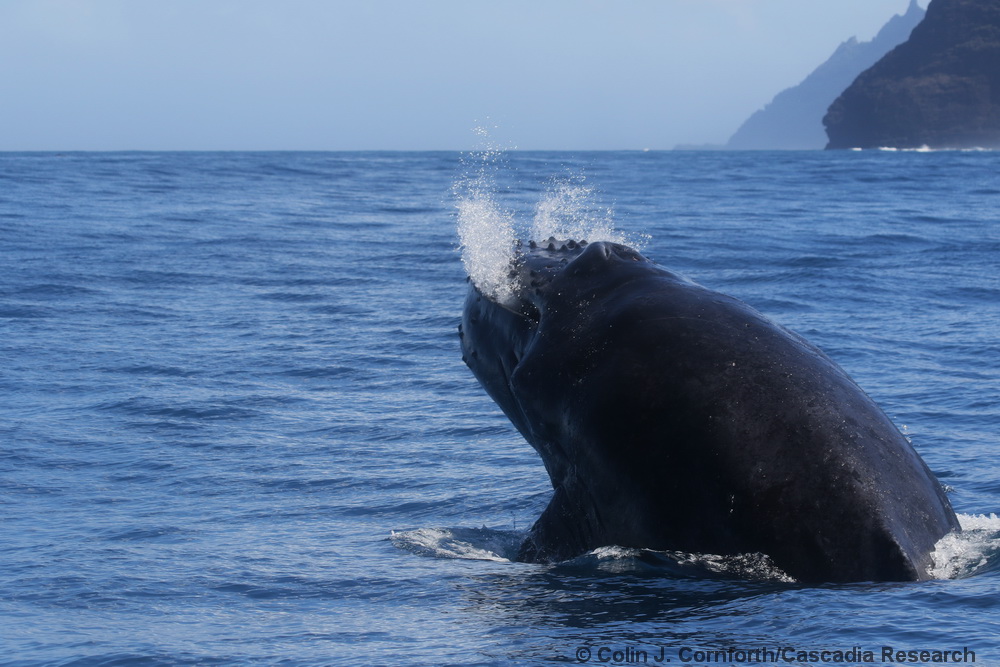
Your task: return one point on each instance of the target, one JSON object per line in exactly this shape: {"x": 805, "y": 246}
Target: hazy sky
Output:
{"x": 404, "y": 74}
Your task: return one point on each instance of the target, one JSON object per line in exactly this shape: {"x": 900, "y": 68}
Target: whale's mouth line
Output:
{"x": 514, "y": 304}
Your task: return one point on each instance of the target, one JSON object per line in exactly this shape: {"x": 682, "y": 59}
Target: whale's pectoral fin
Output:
{"x": 563, "y": 531}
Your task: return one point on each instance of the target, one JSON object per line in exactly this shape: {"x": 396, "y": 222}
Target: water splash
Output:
{"x": 461, "y": 543}
{"x": 568, "y": 210}
{"x": 488, "y": 233}
{"x": 747, "y": 566}
{"x": 958, "y": 555}
{"x": 501, "y": 546}
{"x": 975, "y": 549}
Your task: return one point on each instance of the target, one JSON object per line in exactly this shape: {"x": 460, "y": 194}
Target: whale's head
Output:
{"x": 545, "y": 279}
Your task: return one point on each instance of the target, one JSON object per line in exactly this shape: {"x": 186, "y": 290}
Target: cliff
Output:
{"x": 940, "y": 88}
{"x": 794, "y": 118}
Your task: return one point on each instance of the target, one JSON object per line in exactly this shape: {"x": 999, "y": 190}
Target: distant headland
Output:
{"x": 793, "y": 120}
{"x": 940, "y": 88}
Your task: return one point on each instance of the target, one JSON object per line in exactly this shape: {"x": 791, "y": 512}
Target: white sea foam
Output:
{"x": 961, "y": 554}
{"x": 501, "y": 546}
{"x": 927, "y": 149}
{"x": 461, "y": 543}
{"x": 751, "y": 566}
{"x": 956, "y": 555}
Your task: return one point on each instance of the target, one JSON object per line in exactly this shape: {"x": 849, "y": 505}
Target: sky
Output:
{"x": 405, "y": 74}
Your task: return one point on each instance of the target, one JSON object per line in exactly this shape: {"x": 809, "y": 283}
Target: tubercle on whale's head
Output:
{"x": 539, "y": 268}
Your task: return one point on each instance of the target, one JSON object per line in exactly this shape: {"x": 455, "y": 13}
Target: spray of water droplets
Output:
{"x": 485, "y": 230}
{"x": 488, "y": 232}
{"x": 567, "y": 210}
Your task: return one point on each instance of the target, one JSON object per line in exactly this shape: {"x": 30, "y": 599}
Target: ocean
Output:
{"x": 236, "y": 428}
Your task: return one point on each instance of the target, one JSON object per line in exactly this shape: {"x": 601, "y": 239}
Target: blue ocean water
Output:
{"x": 236, "y": 428}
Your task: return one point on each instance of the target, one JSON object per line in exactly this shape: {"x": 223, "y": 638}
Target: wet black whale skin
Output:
{"x": 672, "y": 417}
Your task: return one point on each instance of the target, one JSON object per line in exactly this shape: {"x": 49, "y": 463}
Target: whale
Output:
{"x": 671, "y": 417}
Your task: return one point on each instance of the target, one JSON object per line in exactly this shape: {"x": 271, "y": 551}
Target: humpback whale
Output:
{"x": 672, "y": 417}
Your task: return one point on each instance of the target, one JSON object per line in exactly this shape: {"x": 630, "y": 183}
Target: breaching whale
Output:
{"x": 675, "y": 418}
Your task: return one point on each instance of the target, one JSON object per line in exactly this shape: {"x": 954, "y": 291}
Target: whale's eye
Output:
{"x": 529, "y": 310}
